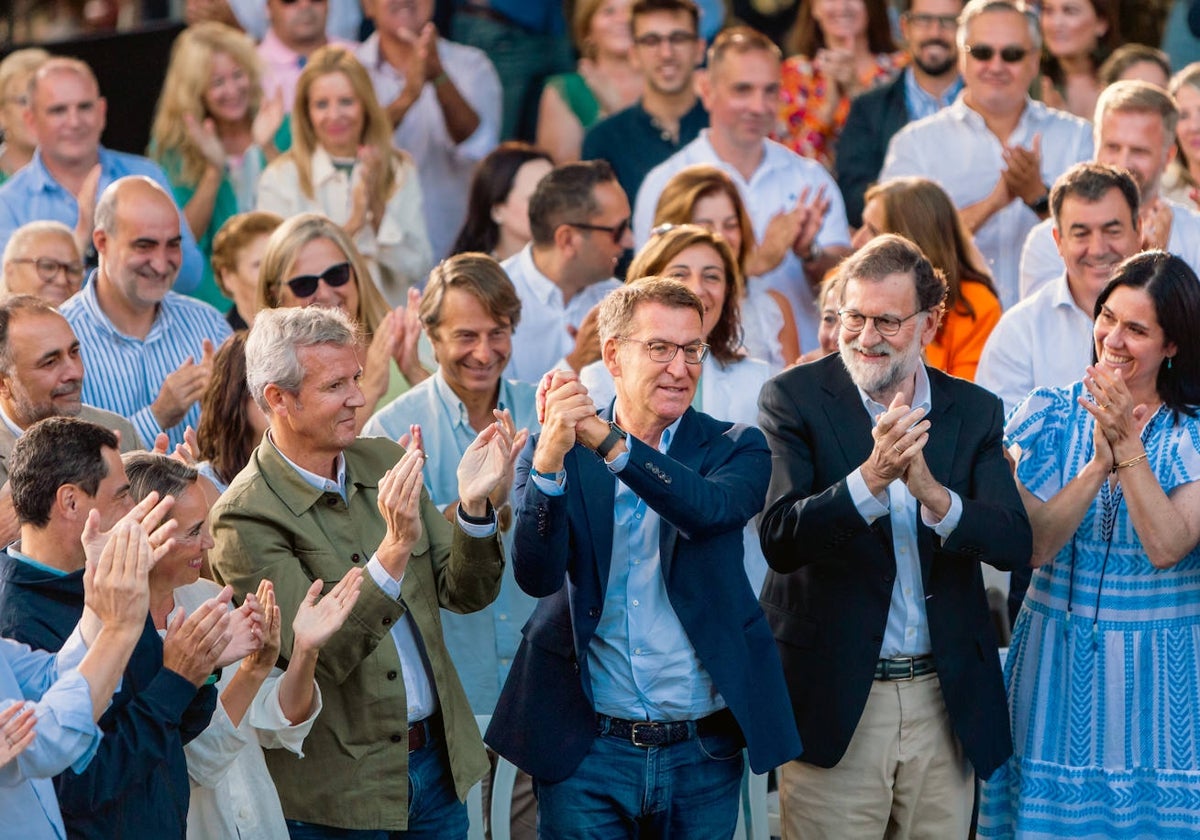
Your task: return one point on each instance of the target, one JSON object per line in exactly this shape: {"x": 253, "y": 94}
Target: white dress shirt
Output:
{"x": 956, "y": 148}
{"x": 1045, "y": 341}
{"x": 775, "y": 187}
{"x": 444, "y": 167}
{"x": 542, "y": 338}
{"x": 1041, "y": 262}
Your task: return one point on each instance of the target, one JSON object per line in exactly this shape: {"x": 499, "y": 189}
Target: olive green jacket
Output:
{"x": 272, "y": 524}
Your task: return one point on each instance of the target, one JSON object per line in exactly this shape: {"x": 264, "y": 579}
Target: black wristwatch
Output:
{"x": 1041, "y": 206}
{"x": 615, "y": 433}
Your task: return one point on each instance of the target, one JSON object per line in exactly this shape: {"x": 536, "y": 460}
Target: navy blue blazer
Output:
{"x": 875, "y": 116}
{"x": 709, "y": 484}
{"x": 829, "y": 589}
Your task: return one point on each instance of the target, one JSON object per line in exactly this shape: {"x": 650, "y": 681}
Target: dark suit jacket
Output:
{"x": 874, "y": 117}
{"x": 828, "y": 594}
{"x": 705, "y": 489}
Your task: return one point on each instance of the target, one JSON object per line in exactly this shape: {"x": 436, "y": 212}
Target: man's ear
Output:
{"x": 608, "y": 353}
{"x": 276, "y": 399}
{"x": 68, "y": 502}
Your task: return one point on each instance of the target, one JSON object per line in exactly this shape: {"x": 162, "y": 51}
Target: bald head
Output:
{"x": 137, "y": 236}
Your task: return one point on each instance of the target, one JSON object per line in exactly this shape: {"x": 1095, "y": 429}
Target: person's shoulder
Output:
{"x": 393, "y": 419}
{"x": 612, "y": 126}
{"x": 120, "y": 164}
{"x": 876, "y": 97}
{"x": 975, "y": 397}
{"x": 1059, "y": 118}
{"x": 371, "y": 452}
{"x": 455, "y": 54}
{"x": 200, "y": 311}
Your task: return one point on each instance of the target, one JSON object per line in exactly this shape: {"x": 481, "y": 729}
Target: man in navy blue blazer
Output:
{"x": 647, "y": 664}
{"x": 889, "y": 488}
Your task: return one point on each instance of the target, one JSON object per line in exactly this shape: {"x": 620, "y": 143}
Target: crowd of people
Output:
{"x": 676, "y": 404}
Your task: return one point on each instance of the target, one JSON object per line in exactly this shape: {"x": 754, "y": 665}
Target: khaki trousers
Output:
{"x": 903, "y": 776}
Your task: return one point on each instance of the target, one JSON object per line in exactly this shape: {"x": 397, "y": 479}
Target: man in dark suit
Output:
{"x": 930, "y": 82}
{"x": 647, "y": 665}
{"x": 889, "y": 488}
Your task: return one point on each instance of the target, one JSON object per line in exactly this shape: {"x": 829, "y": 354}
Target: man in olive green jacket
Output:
{"x": 315, "y": 501}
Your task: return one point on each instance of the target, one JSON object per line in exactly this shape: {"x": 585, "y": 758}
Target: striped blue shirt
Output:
{"x": 124, "y": 374}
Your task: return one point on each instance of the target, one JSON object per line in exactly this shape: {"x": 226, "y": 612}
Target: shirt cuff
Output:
{"x": 475, "y": 529}
{"x": 949, "y": 522}
{"x": 383, "y": 580}
{"x": 869, "y": 507}
{"x": 549, "y": 486}
{"x": 618, "y": 463}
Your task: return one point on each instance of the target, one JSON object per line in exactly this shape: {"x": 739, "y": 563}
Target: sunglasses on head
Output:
{"x": 986, "y": 52}
{"x": 306, "y": 284}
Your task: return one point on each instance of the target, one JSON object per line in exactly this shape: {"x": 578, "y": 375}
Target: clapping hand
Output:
{"x": 485, "y": 465}
{"x": 246, "y": 631}
{"x": 400, "y": 504}
{"x": 149, "y": 513}
{"x": 17, "y": 725}
{"x": 194, "y": 643}
{"x": 1023, "y": 171}
{"x": 319, "y": 618}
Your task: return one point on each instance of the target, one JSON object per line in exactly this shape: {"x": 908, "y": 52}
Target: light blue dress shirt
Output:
{"x": 907, "y": 632}
{"x": 481, "y": 644}
{"x": 920, "y": 103}
{"x": 66, "y": 735}
{"x": 124, "y": 374}
{"x": 642, "y": 664}
{"x": 420, "y": 698}
{"x": 32, "y": 194}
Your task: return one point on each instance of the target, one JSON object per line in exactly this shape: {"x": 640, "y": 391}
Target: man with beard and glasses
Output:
{"x": 669, "y": 115}
{"x": 995, "y": 149}
{"x": 889, "y": 489}
{"x": 149, "y": 350}
{"x": 929, "y": 83}
{"x": 1134, "y": 130}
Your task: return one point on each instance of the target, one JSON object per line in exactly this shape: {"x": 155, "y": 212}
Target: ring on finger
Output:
{"x": 899, "y": 451}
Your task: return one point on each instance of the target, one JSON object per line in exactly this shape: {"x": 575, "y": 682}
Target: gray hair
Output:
{"x": 10, "y": 305}
{"x": 150, "y": 472}
{"x": 22, "y": 236}
{"x": 619, "y": 306}
{"x": 975, "y": 8}
{"x": 271, "y": 357}
{"x": 106, "y": 207}
{"x": 1137, "y": 97}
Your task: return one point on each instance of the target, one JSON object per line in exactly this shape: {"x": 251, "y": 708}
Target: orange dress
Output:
{"x": 959, "y": 343}
{"x": 804, "y": 91}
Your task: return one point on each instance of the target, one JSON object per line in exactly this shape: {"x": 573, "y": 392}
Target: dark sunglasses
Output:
{"x": 306, "y": 284}
{"x": 986, "y": 52}
{"x": 617, "y": 232}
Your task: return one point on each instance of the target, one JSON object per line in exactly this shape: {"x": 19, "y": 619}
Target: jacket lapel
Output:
{"x": 945, "y": 425}
{"x": 688, "y": 448}
{"x": 597, "y": 500}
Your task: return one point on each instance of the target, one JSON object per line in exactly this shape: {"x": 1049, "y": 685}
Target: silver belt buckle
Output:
{"x": 912, "y": 670}
{"x": 633, "y": 733}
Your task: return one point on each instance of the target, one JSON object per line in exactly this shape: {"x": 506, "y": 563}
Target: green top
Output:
{"x": 575, "y": 92}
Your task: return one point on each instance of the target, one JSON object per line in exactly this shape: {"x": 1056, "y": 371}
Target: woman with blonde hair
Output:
{"x": 213, "y": 134}
{"x": 920, "y": 211}
{"x": 1180, "y": 181}
{"x": 342, "y": 165}
{"x": 730, "y": 381}
{"x": 310, "y": 261}
{"x": 16, "y": 140}
{"x": 604, "y": 82}
{"x": 706, "y": 196}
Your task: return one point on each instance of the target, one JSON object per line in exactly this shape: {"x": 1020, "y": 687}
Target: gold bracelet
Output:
{"x": 1132, "y": 462}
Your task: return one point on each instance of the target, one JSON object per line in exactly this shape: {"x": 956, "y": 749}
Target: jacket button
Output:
{"x": 397, "y": 738}
{"x": 353, "y": 558}
{"x": 331, "y": 500}
{"x": 391, "y": 675}
{"x": 386, "y": 621}
{"x": 594, "y": 612}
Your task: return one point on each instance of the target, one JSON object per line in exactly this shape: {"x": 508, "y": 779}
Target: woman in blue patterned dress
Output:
{"x": 1104, "y": 670}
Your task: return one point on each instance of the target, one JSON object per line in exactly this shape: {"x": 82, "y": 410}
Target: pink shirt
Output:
{"x": 282, "y": 66}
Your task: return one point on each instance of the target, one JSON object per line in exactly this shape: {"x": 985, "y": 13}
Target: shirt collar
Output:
{"x": 454, "y": 404}
{"x": 8, "y": 421}
{"x": 914, "y": 91}
{"x": 920, "y": 395}
{"x": 318, "y": 482}
{"x": 15, "y": 552}
{"x": 664, "y": 440}
{"x": 274, "y": 50}
{"x": 543, "y": 287}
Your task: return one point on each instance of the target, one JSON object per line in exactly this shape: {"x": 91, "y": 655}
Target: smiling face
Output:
{"x": 841, "y": 20}
{"x": 716, "y": 212}
{"x": 227, "y": 99}
{"x": 47, "y": 370}
{"x": 700, "y": 268}
{"x": 318, "y": 421}
{"x": 66, "y": 115}
{"x": 1071, "y": 27}
{"x": 13, "y": 100}
{"x": 300, "y": 24}
{"x": 1136, "y": 141}
{"x": 610, "y": 30}
{"x": 1187, "y": 132}
{"x": 742, "y": 97}
{"x": 653, "y": 395}
{"x": 1129, "y": 340}
{"x": 665, "y": 57}
{"x": 995, "y": 86}
{"x": 928, "y": 29}
{"x": 471, "y": 346}
{"x": 142, "y": 257}
{"x": 596, "y": 251}
{"x": 337, "y": 114}
{"x": 182, "y": 563}
{"x": 880, "y": 364}
{"x": 25, "y": 278}
{"x": 313, "y": 258}
{"x": 1092, "y": 238}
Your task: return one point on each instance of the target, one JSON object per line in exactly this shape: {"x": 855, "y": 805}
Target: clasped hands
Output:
{"x": 900, "y": 435}
{"x": 568, "y": 416}
{"x": 1117, "y": 433}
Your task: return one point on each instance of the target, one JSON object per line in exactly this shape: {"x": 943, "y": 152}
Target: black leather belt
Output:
{"x": 422, "y": 733}
{"x": 649, "y": 733}
{"x": 904, "y": 667}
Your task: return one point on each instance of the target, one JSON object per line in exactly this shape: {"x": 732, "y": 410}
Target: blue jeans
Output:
{"x": 434, "y": 812}
{"x": 688, "y": 790}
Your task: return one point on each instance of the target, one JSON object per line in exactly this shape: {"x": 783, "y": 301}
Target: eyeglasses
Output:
{"x": 664, "y": 351}
{"x": 1011, "y": 54}
{"x": 677, "y": 39}
{"x": 617, "y": 232}
{"x": 48, "y": 269}
{"x": 930, "y": 21}
{"x": 306, "y": 284}
{"x": 888, "y": 325}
